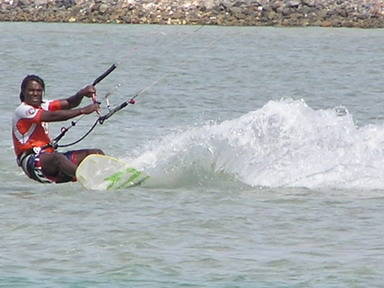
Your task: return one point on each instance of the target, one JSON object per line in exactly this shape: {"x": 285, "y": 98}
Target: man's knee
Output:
{"x": 97, "y": 151}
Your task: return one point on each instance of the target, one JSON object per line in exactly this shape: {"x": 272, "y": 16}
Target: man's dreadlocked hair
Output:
{"x": 25, "y": 82}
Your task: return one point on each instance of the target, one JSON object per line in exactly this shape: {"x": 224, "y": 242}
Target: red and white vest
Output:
{"x": 28, "y": 131}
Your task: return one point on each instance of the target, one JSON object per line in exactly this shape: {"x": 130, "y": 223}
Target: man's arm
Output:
{"x": 62, "y": 115}
{"x": 75, "y": 100}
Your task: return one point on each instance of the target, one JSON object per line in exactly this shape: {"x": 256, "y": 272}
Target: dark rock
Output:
{"x": 337, "y": 13}
{"x": 294, "y": 3}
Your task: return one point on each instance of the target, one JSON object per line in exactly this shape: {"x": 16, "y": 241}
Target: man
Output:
{"x": 38, "y": 160}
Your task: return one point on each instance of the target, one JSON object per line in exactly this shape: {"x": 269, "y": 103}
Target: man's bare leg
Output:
{"x": 57, "y": 165}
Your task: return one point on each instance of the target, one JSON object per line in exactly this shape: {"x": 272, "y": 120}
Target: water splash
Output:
{"x": 284, "y": 144}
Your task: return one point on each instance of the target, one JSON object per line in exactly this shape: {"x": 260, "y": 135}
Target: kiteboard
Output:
{"x": 101, "y": 172}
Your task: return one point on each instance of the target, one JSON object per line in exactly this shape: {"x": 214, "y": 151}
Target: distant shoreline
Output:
{"x": 324, "y": 13}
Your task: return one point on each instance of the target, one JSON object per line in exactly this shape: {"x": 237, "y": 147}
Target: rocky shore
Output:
{"x": 328, "y": 13}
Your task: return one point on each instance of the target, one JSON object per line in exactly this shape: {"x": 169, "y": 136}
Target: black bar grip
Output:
{"x": 105, "y": 74}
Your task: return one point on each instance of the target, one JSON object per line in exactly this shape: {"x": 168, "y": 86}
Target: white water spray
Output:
{"x": 283, "y": 144}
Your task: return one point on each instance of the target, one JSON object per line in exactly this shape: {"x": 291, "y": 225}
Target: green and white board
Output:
{"x": 100, "y": 172}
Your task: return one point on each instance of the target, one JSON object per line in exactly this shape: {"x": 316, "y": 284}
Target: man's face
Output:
{"x": 33, "y": 93}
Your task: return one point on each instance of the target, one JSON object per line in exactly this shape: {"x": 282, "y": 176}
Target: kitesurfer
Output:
{"x": 38, "y": 159}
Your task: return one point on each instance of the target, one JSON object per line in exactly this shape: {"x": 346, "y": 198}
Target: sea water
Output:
{"x": 264, "y": 146}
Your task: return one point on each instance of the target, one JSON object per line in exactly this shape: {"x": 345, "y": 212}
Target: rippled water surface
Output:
{"x": 264, "y": 146}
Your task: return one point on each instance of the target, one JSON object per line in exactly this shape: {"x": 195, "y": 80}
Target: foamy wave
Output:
{"x": 283, "y": 144}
